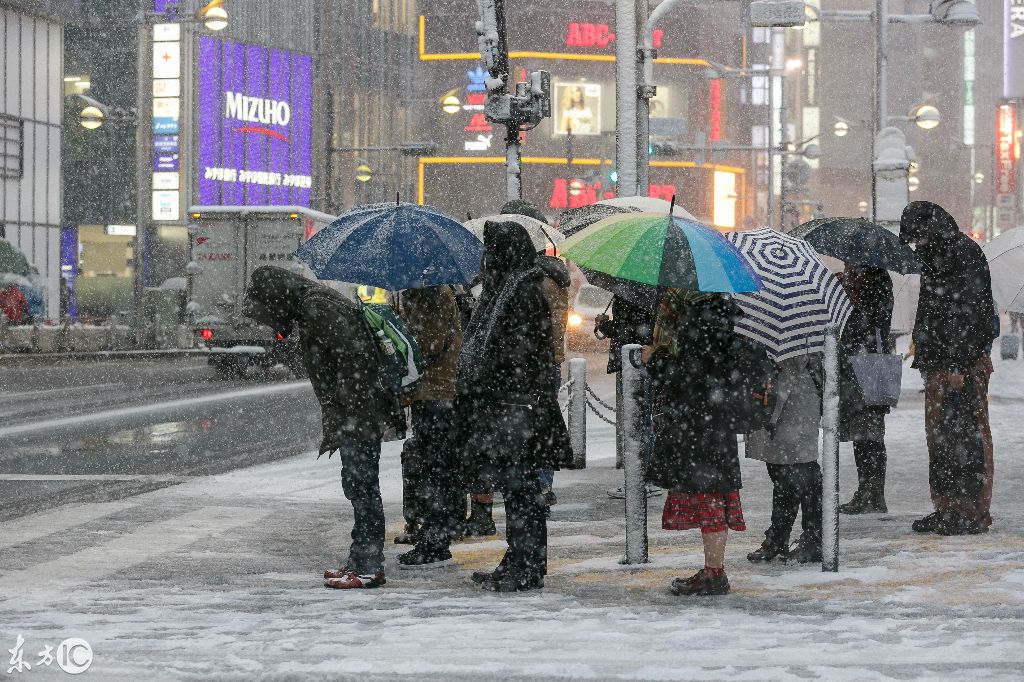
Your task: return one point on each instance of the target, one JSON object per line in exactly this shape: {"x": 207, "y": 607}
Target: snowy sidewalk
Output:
{"x": 218, "y": 578}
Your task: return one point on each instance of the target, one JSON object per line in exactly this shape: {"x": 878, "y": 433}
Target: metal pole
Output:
{"x": 143, "y": 183}
{"x": 880, "y": 112}
{"x": 783, "y": 144}
{"x": 513, "y": 165}
{"x": 625, "y": 96}
{"x": 620, "y": 428}
{"x": 643, "y": 114}
{"x": 578, "y": 412}
{"x": 636, "y": 496}
{"x": 771, "y": 145}
{"x": 830, "y": 455}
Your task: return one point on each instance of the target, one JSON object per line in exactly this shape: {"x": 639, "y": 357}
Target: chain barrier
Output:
{"x": 598, "y": 399}
{"x": 599, "y": 415}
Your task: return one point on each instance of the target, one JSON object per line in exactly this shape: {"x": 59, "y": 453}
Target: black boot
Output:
{"x": 858, "y": 504}
{"x": 876, "y": 497}
{"x": 480, "y": 522}
{"x": 805, "y": 550}
{"x": 767, "y": 552}
{"x": 409, "y": 536}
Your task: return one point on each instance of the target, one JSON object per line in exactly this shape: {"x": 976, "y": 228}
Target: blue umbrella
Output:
{"x": 394, "y": 246}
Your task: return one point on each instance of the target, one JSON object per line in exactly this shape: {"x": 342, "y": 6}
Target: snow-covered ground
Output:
{"x": 218, "y": 578}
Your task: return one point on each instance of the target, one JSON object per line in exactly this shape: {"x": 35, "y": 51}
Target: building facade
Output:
{"x": 31, "y": 66}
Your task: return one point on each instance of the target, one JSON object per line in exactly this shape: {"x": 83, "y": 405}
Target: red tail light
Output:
{"x": 207, "y": 334}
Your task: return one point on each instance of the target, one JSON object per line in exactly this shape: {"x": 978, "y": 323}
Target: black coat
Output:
{"x": 955, "y": 314}
{"x": 870, "y": 290}
{"x": 695, "y": 449}
{"x": 337, "y": 348}
{"x": 506, "y": 370}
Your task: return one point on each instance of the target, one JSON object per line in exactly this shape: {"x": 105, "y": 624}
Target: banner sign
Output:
{"x": 1006, "y": 161}
{"x": 254, "y": 126}
{"x": 1013, "y": 49}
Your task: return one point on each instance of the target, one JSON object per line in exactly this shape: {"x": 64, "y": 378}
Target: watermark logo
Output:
{"x": 73, "y": 656}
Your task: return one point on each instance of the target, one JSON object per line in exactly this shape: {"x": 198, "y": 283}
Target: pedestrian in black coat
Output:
{"x": 695, "y": 449}
{"x": 867, "y": 331}
{"x": 341, "y": 358}
{"x": 953, "y": 334}
{"x": 506, "y": 402}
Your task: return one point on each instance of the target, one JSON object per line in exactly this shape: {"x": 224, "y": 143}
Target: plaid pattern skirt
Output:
{"x": 711, "y": 512}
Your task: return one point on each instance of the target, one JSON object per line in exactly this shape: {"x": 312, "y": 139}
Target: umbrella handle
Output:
{"x": 672, "y": 206}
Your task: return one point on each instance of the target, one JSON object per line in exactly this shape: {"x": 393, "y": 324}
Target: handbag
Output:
{"x": 879, "y": 375}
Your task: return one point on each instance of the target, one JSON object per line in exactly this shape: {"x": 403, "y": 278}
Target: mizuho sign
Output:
{"x": 256, "y": 109}
{"x": 1013, "y": 49}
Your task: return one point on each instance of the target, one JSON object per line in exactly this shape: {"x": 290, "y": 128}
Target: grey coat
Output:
{"x": 798, "y": 411}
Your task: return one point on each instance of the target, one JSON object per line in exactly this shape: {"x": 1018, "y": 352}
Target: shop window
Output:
{"x": 12, "y": 147}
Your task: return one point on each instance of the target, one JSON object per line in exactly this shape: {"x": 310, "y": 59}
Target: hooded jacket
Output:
{"x": 507, "y": 357}
{"x": 434, "y": 321}
{"x": 337, "y": 348}
{"x": 954, "y": 325}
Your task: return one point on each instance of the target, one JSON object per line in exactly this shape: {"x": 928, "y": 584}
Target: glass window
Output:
{"x": 11, "y": 147}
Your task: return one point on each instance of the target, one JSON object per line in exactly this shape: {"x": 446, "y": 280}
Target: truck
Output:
{"x": 226, "y": 243}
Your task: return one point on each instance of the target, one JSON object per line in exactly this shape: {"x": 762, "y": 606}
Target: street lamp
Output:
{"x": 450, "y": 104}
{"x": 215, "y": 18}
{"x": 363, "y": 172}
{"x": 91, "y": 117}
{"x": 913, "y": 183}
{"x": 95, "y": 113}
{"x": 925, "y": 116}
{"x": 840, "y": 128}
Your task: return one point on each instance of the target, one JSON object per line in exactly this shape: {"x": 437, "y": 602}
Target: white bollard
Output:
{"x": 830, "y": 455}
{"x": 578, "y": 412}
{"x": 633, "y": 470}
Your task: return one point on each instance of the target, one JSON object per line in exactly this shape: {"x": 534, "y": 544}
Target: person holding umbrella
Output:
{"x": 867, "y": 331}
{"x": 507, "y": 404}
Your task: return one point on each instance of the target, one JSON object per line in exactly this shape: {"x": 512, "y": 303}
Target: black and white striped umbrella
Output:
{"x": 800, "y": 298}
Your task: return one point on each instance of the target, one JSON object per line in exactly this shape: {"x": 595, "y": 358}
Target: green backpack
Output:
{"x": 402, "y": 362}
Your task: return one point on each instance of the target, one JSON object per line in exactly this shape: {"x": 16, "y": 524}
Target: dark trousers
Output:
{"x": 526, "y": 529}
{"x": 432, "y": 476}
{"x": 360, "y": 480}
{"x": 797, "y": 487}
{"x": 871, "y": 459}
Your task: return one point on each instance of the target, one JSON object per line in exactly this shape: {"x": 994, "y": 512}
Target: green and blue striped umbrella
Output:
{"x": 660, "y": 250}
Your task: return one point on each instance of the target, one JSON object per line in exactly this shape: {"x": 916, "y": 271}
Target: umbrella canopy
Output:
{"x": 575, "y": 219}
{"x": 12, "y": 260}
{"x": 542, "y": 235}
{"x": 660, "y": 250}
{"x": 858, "y": 240}
{"x": 648, "y": 205}
{"x": 800, "y": 297}
{"x": 1005, "y": 256}
{"x": 394, "y": 246}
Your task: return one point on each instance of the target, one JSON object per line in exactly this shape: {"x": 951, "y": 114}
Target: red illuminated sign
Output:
{"x": 1006, "y": 157}
{"x": 562, "y": 193}
{"x": 582, "y": 34}
{"x": 716, "y": 110}
{"x": 478, "y": 124}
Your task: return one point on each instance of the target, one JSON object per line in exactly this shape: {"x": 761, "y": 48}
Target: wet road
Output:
{"x": 85, "y": 431}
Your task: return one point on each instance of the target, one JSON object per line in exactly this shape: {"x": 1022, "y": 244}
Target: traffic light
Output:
{"x": 959, "y": 12}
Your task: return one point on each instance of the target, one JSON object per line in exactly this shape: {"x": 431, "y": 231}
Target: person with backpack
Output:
{"x": 357, "y": 405}
{"x": 506, "y": 403}
{"x": 789, "y": 449}
{"x": 429, "y": 466}
{"x": 695, "y": 454}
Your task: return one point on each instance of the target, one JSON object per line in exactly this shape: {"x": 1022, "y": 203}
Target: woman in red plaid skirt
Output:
{"x": 695, "y": 452}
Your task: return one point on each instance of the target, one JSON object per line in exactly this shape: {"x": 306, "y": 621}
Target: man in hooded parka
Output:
{"x": 341, "y": 357}
{"x": 953, "y": 335}
{"x": 506, "y": 401}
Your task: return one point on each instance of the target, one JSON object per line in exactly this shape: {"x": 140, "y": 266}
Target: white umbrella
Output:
{"x": 541, "y": 234}
{"x": 1005, "y": 256}
{"x": 649, "y": 205}
{"x": 799, "y": 299}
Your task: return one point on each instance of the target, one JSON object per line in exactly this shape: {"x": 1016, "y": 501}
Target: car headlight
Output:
{"x": 575, "y": 319}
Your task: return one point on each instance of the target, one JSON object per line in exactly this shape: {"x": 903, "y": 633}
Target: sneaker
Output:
{"x": 508, "y": 582}
{"x": 699, "y": 585}
{"x": 423, "y": 558}
{"x": 354, "y": 581}
{"x": 928, "y": 524}
{"x": 334, "y": 575}
{"x": 768, "y": 552}
{"x": 804, "y": 551}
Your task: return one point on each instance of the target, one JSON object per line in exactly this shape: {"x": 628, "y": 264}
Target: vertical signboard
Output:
{"x": 1006, "y": 166}
{"x": 1013, "y": 49}
{"x": 254, "y": 125}
{"x": 166, "y": 121}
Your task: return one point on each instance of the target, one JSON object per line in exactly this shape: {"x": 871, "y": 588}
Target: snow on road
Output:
{"x": 217, "y": 578}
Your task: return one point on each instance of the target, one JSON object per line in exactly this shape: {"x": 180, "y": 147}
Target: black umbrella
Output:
{"x": 857, "y": 240}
